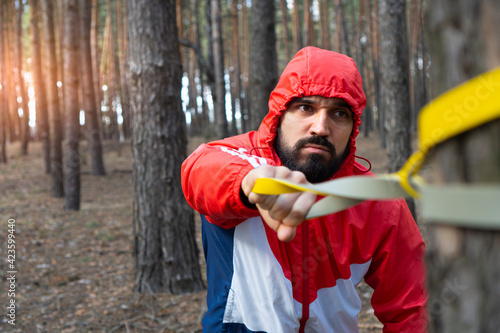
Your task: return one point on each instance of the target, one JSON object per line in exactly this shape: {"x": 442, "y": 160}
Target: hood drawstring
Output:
{"x": 255, "y": 148}
{"x": 358, "y": 168}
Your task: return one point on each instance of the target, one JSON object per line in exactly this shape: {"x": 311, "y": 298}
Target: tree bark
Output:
{"x": 309, "y": 34}
{"x": 4, "y": 109}
{"x": 113, "y": 81}
{"x": 39, "y": 84}
{"x": 94, "y": 49}
{"x": 56, "y": 170}
{"x": 286, "y": 31}
{"x": 325, "y": 24}
{"x": 165, "y": 249}
{"x": 237, "y": 87}
{"x": 220, "y": 86}
{"x": 88, "y": 93}
{"x": 120, "y": 13}
{"x": 341, "y": 23}
{"x": 296, "y": 23}
{"x": 15, "y": 128}
{"x": 72, "y": 109}
{"x": 263, "y": 67}
{"x": 20, "y": 81}
{"x": 395, "y": 81}
{"x": 463, "y": 263}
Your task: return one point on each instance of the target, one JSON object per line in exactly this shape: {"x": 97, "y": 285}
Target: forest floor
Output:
{"x": 75, "y": 270}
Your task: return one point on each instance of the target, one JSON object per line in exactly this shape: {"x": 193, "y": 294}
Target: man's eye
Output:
{"x": 305, "y": 108}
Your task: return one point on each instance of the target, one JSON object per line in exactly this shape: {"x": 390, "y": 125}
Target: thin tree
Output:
{"x": 463, "y": 262}
{"x": 94, "y": 48}
{"x": 220, "y": 86}
{"x": 245, "y": 56}
{"x": 296, "y": 23}
{"x": 165, "y": 248}
{"x": 20, "y": 80}
{"x": 72, "y": 121}
{"x": 56, "y": 169}
{"x": 324, "y": 24}
{"x": 92, "y": 132}
{"x": 112, "y": 75}
{"x": 309, "y": 34}
{"x": 3, "y": 91}
{"x": 15, "y": 121}
{"x": 342, "y": 37}
{"x": 263, "y": 67}
{"x": 236, "y": 61}
{"x": 122, "y": 58}
{"x": 42, "y": 115}
{"x": 286, "y": 30}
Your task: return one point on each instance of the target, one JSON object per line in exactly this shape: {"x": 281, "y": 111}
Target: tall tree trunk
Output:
{"x": 286, "y": 32}
{"x": 60, "y": 63}
{"x": 88, "y": 93}
{"x": 4, "y": 109}
{"x": 71, "y": 63}
{"x": 245, "y": 54}
{"x": 192, "y": 107}
{"x": 324, "y": 24}
{"x": 94, "y": 49}
{"x": 309, "y": 34}
{"x": 125, "y": 103}
{"x": 376, "y": 70}
{"x": 220, "y": 86}
{"x": 362, "y": 42}
{"x": 463, "y": 262}
{"x": 263, "y": 67}
{"x": 341, "y": 23}
{"x": 42, "y": 115}
{"x": 296, "y": 23}
{"x": 165, "y": 248}
{"x": 113, "y": 82}
{"x": 203, "y": 118}
{"x": 56, "y": 170}
{"x": 394, "y": 82}
{"x": 15, "y": 128}
{"x": 237, "y": 88}
{"x": 20, "y": 81}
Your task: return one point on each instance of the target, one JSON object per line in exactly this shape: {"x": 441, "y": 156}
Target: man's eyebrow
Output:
{"x": 304, "y": 100}
{"x": 343, "y": 104}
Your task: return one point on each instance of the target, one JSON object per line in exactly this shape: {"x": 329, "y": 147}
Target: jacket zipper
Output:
{"x": 305, "y": 277}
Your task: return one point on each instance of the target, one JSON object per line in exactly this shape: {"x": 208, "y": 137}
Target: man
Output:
{"x": 268, "y": 270}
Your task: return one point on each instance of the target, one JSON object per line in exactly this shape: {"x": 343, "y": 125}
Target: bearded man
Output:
{"x": 269, "y": 269}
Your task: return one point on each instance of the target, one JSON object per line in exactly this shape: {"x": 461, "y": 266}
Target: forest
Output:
{"x": 102, "y": 100}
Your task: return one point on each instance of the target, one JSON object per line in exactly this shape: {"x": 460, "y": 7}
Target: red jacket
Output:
{"x": 258, "y": 283}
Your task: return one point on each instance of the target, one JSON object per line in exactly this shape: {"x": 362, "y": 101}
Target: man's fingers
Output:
{"x": 286, "y": 233}
{"x": 299, "y": 209}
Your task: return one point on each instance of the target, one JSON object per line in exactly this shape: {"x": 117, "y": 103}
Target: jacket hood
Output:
{"x": 314, "y": 71}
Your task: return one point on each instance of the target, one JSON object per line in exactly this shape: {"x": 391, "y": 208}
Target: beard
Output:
{"x": 316, "y": 167}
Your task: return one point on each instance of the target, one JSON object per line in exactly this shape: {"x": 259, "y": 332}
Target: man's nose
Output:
{"x": 319, "y": 124}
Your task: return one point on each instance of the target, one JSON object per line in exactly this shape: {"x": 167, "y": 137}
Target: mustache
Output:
{"x": 317, "y": 140}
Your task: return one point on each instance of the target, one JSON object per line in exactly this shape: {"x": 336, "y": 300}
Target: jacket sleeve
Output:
{"x": 398, "y": 275}
{"x": 211, "y": 181}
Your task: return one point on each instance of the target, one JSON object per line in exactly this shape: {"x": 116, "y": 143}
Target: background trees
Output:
{"x": 232, "y": 52}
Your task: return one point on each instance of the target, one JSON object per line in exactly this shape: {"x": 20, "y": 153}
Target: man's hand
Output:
{"x": 283, "y": 213}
